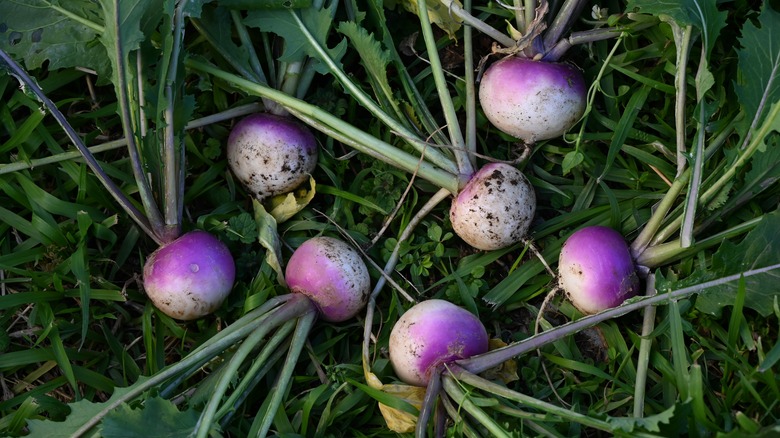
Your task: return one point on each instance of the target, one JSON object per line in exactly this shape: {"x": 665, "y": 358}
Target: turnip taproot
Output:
{"x": 189, "y": 277}
{"x": 532, "y": 100}
{"x": 332, "y": 274}
{"x": 596, "y": 270}
{"x": 270, "y": 154}
{"x": 432, "y": 333}
{"x": 495, "y": 208}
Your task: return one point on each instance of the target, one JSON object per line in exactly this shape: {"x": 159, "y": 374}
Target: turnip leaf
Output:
{"x": 157, "y": 418}
{"x": 703, "y": 14}
{"x": 758, "y": 83}
{"x": 37, "y": 31}
{"x": 374, "y": 58}
{"x": 296, "y": 45}
{"x": 760, "y": 248}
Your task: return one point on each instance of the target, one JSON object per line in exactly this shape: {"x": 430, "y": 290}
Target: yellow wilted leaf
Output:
{"x": 438, "y": 13}
{"x": 397, "y": 420}
{"x": 506, "y": 371}
{"x": 283, "y": 207}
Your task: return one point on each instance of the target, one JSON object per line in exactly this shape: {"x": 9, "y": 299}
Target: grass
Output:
{"x": 78, "y": 328}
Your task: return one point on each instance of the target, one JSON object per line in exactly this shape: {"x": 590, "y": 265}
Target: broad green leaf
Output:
{"x": 81, "y": 412}
{"x": 759, "y": 248}
{"x": 650, "y": 423}
{"x": 758, "y": 82}
{"x": 157, "y": 418}
{"x": 265, "y": 4}
{"x": 62, "y": 33}
{"x": 373, "y": 57}
{"x": 296, "y": 46}
{"x": 703, "y": 14}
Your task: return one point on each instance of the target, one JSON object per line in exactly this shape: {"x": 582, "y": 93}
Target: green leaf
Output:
{"x": 760, "y": 248}
{"x": 157, "y": 418}
{"x": 703, "y": 14}
{"x": 296, "y": 45}
{"x": 372, "y": 56}
{"x": 758, "y": 82}
{"x": 438, "y": 13}
{"x": 242, "y": 227}
{"x": 651, "y": 423}
{"x": 81, "y": 412}
{"x": 65, "y": 35}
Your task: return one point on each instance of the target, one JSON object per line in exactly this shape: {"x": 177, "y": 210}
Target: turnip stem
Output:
{"x": 388, "y": 269}
{"x": 123, "y": 101}
{"x": 429, "y": 403}
{"x": 216, "y": 344}
{"x": 229, "y": 372}
{"x": 656, "y": 220}
{"x": 478, "y": 24}
{"x": 462, "y": 399}
{"x": 302, "y": 329}
{"x": 471, "y": 92}
{"x": 504, "y": 392}
{"x": 483, "y": 362}
{"x": 113, "y": 189}
{"x": 433, "y": 155}
{"x": 682, "y": 39}
{"x": 360, "y": 140}
{"x": 562, "y": 22}
{"x": 448, "y": 108}
{"x": 645, "y": 344}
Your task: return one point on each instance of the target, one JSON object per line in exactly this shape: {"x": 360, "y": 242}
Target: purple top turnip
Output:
{"x": 189, "y": 277}
{"x": 332, "y": 274}
{"x": 495, "y": 208}
{"x": 270, "y": 154}
{"x": 596, "y": 270}
{"x": 432, "y": 333}
{"x": 532, "y": 100}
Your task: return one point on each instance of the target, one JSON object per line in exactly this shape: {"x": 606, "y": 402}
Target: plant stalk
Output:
{"x": 483, "y": 362}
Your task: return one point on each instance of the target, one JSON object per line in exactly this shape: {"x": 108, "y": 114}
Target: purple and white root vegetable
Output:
{"x": 432, "y": 333}
{"x": 271, "y": 155}
{"x": 189, "y": 277}
{"x": 332, "y": 274}
{"x": 596, "y": 270}
{"x": 495, "y": 208}
{"x": 532, "y": 100}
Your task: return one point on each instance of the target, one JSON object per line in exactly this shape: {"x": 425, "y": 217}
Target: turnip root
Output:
{"x": 495, "y": 208}
{"x": 532, "y": 100}
{"x": 596, "y": 270}
{"x": 432, "y": 333}
{"x": 189, "y": 277}
{"x": 270, "y": 154}
{"x": 332, "y": 274}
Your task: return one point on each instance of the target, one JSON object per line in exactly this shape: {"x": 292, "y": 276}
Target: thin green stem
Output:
{"x": 248, "y": 45}
{"x": 483, "y": 362}
{"x": 388, "y": 269}
{"x": 122, "y": 142}
{"x": 462, "y": 399}
{"x": 478, "y": 24}
{"x": 360, "y": 140}
{"x": 123, "y": 101}
{"x": 471, "y": 92}
{"x": 504, "y": 392}
{"x": 432, "y": 154}
{"x": 682, "y": 38}
{"x": 209, "y": 413}
{"x": 216, "y": 344}
{"x": 453, "y": 126}
{"x": 77, "y": 18}
{"x": 645, "y": 345}
{"x": 305, "y": 323}
{"x": 113, "y": 189}
{"x": 647, "y": 234}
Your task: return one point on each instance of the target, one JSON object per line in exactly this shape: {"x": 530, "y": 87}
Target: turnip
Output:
{"x": 332, "y": 274}
{"x": 495, "y": 208}
{"x": 271, "y": 155}
{"x": 432, "y": 333}
{"x": 596, "y": 269}
{"x": 532, "y": 100}
{"x": 189, "y": 277}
